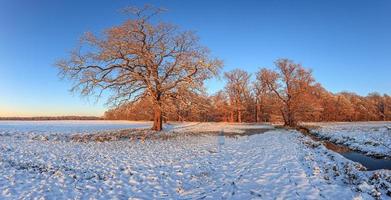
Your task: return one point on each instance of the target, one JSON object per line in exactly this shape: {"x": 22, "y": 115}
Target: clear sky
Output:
{"x": 346, "y": 43}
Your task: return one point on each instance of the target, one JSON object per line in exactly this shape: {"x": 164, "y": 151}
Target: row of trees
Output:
{"x": 155, "y": 71}
{"x": 287, "y": 94}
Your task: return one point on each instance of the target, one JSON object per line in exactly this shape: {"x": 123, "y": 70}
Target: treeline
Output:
{"x": 52, "y": 118}
{"x": 287, "y": 94}
{"x": 155, "y": 71}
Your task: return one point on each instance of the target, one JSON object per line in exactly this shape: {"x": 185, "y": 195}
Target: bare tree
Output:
{"x": 238, "y": 91}
{"x": 379, "y": 105}
{"x": 220, "y": 107}
{"x": 265, "y": 100}
{"x": 140, "y": 59}
{"x": 387, "y": 107}
{"x": 291, "y": 83}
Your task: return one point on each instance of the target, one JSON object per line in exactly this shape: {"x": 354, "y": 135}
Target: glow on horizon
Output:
{"x": 49, "y": 112}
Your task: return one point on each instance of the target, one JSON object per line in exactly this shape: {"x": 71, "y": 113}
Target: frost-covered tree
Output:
{"x": 265, "y": 100}
{"x": 238, "y": 90}
{"x": 140, "y": 59}
{"x": 292, "y": 84}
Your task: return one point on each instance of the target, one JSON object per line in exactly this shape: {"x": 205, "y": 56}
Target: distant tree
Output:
{"x": 379, "y": 105}
{"x": 387, "y": 107}
{"x": 265, "y": 100}
{"x": 345, "y": 109}
{"x": 237, "y": 88}
{"x": 327, "y": 102}
{"x": 140, "y": 59}
{"x": 292, "y": 84}
{"x": 175, "y": 110}
{"x": 220, "y": 107}
{"x": 188, "y": 107}
{"x": 140, "y": 110}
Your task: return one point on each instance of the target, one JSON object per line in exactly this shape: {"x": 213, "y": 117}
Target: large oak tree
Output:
{"x": 140, "y": 59}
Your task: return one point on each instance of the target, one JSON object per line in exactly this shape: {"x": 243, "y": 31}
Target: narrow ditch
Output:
{"x": 371, "y": 163}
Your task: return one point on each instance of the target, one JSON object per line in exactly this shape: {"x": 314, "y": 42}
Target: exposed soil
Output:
{"x": 147, "y": 134}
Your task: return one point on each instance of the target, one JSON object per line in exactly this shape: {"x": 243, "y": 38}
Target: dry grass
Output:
{"x": 147, "y": 134}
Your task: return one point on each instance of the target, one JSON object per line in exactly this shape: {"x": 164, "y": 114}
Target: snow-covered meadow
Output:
{"x": 277, "y": 164}
{"x": 66, "y": 126}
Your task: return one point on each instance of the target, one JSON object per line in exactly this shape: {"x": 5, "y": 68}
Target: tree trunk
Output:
{"x": 158, "y": 119}
{"x": 284, "y": 117}
{"x": 239, "y": 116}
{"x": 256, "y": 111}
{"x": 290, "y": 118}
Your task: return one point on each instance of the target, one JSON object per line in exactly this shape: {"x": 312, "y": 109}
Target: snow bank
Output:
{"x": 335, "y": 168}
{"x": 373, "y": 138}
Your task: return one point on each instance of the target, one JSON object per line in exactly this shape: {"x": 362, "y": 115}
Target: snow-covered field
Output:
{"x": 373, "y": 138}
{"x": 66, "y": 127}
{"x": 278, "y": 164}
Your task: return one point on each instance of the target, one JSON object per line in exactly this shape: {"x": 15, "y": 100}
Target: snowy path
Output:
{"x": 272, "y": 165}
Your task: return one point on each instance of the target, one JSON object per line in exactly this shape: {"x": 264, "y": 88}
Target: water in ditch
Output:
{"x": 371, "y": 163}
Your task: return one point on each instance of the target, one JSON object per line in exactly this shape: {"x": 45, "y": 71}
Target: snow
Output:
{"x": 278, "y": 164}
{"x": 60, "y": 129}
{"x": 67, "y": 126}
{"x": 373, "y": 138}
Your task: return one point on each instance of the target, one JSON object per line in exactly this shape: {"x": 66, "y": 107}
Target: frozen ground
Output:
{"x": 373, "y": 138}
{"x": 214, "y": 127}
{"x": 278, "y": 164}
{"x": 66, "y": 126}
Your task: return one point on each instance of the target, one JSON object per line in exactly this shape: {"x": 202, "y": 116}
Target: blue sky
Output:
{"x": 346, "y": 43}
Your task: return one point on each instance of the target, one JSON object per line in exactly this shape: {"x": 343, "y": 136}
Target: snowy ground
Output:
{"x": 373, "y": 138}
{"x": 66, "y": 126}
{"x": 213, "y": 127}
{"x": 278, "y": 164}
